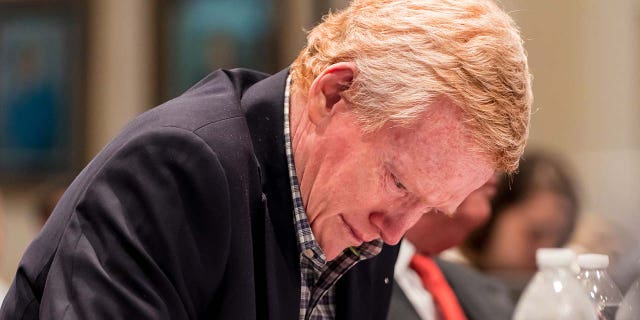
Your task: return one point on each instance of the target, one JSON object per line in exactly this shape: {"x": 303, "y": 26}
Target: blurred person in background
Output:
{"x": 271, "y": 197}
{"x": 428, "y": 288}
{"x": 535, "y": 208}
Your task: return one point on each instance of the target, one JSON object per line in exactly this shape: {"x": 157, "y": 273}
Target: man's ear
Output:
{"x": 326, "y": 90}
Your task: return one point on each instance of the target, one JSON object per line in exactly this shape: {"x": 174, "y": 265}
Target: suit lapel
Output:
{"x": 369, "y": 281}
{"x": 400, "y": 307}
{"x": 277, "y": 269}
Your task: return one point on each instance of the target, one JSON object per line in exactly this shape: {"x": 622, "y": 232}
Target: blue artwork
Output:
{"x": 210, "y": 34}
{"x": 34, "y": 95}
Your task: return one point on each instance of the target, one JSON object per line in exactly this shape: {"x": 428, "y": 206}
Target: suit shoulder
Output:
{"x": 214, "y": 98}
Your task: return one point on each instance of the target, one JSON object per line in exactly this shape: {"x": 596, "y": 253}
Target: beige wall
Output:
{"x": 584, "y": 55}
{"x": 292, "y": 29}
{"x": 20, "y": 225}
{"x": 121, "y": 79}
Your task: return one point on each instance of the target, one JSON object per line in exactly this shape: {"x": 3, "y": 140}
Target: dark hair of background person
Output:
{"x": 538, "y": 171}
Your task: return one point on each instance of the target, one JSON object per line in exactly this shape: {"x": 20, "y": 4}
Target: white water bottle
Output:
{"x": 630, "y": 306}
{"x": 601, "y": 289}
{"x": 554, "y": 293}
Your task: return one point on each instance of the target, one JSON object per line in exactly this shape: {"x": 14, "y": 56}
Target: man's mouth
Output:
{"x": 352, "y": 232}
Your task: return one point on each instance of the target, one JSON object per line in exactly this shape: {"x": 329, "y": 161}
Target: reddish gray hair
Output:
{"x": 410, "y": 52}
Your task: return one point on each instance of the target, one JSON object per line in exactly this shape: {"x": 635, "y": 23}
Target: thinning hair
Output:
{"x": 411, "y": 52}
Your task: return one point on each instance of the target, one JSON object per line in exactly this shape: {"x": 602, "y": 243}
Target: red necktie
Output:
{"x": 434, "y": 281}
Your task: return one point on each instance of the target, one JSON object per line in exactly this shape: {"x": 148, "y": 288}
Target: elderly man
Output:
{"x": 254, "y": 196}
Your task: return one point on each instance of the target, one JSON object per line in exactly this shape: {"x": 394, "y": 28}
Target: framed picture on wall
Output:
{"x": 41, "y": 87}
{"x": 197, "y": 37}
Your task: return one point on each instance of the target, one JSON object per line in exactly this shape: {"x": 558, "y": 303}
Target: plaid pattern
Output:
{"x": 318, "y": 276}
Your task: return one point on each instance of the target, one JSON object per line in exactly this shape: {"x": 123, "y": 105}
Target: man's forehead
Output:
{"x": 441, "y": 177}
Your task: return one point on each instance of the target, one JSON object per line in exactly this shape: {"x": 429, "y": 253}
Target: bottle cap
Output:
{"x": 593, "y": 261}
{"x": 555, "y": 257}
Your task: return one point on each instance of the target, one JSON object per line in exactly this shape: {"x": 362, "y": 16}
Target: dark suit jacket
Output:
{"x": 400, "y": 307}
{"x": 186, "y": 214}
{"x": 481, "y": 297}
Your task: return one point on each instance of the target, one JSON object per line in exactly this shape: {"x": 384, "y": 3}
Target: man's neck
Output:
{"x": 301, "y": 128}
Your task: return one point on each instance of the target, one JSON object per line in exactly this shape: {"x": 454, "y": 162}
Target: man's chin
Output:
{"x": 331, "y": 254}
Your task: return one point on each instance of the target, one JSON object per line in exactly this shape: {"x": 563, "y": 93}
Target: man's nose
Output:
{"x": 393, "y": 225}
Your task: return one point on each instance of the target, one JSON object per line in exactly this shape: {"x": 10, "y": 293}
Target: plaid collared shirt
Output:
{"x": 318, "y": 276}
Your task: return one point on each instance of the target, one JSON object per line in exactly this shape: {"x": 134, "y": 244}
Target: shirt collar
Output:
{"x": 407, "y": 250}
